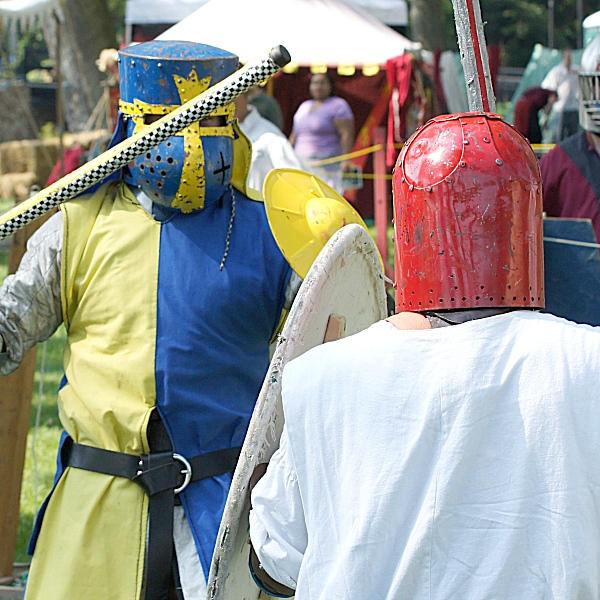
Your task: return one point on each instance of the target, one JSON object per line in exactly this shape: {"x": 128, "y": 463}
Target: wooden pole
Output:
{"x": 380, "y": 189}
{"x": 16, "y": 391}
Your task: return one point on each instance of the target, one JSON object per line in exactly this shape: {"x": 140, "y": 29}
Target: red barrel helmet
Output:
{"x": 468, "y": 217}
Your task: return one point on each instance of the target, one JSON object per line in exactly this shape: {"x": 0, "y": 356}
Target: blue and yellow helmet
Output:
{"x": 193, "y": 168}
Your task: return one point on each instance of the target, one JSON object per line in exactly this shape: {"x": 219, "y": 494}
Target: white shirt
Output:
{"x": 564, "y": 82}
{"x": 455, "y": 463}
{"x": 270, "y": 148}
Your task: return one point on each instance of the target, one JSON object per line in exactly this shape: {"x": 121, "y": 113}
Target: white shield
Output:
{"x": 342, "y": 294}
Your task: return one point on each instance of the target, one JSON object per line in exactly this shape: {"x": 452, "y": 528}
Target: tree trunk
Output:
{"x": 87, "y": 28}
{"x": 426, "y": 23}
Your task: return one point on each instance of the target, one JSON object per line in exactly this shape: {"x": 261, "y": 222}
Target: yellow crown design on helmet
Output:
{"x": 190, "y": 194}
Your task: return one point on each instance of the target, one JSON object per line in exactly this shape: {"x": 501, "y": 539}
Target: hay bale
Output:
{"x": 17, "y": 185}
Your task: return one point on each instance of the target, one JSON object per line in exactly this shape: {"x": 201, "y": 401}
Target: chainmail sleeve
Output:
{"x": 30, "y": 303}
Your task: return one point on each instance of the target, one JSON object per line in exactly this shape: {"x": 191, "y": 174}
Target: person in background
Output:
{"x": 571, "y": 170}
{"x": 267, "y": 106}
{"x": 324, "y": 128}
{"x": 450, "y": 451}
{"x": 527, "y": 108}
{"x": 270, "y": 148}
{"x": 562, "y": 79}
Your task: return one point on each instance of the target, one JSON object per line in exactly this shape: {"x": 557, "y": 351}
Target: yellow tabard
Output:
{"x": 92, "y": 541}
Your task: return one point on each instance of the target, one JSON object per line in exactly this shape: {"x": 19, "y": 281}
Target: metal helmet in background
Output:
{"x": 193, "y": 168}
{"x": 589, "y": 87}
{"x": 468, "y": 217}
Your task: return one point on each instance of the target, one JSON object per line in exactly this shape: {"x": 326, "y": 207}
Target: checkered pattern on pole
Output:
{"x": 115, "y": 158}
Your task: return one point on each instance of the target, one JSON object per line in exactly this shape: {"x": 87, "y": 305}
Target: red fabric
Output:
{"x": 399, "y": 72}
{"x": 567, "y": 192}
{"x": 72, "y": 159}
{"x": 441, "y": 106}
{"x": 494, "y": 60}
{"x": 523, "y": 109}
{"x": 531, "y": 101}
{"x": 114, "y": 96}
{"x": 364, "y": 137}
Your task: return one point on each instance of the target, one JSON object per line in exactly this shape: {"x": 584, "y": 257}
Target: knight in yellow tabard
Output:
{"x": 171, "y": 285}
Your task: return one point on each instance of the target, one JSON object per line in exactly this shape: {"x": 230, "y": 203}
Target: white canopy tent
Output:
{"x": 26, "y": 12}
{"x": 390, "y": 12}
{"x": 317, "y": 33}
{"x": 144, "y": 12}
{"x": 591, "y": 26}
{"x": 155, "y": 12}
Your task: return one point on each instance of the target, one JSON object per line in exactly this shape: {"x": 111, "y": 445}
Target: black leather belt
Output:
{"x": 161, "y": 475}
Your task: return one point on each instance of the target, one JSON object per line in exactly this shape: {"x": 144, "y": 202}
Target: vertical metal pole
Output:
{"x": 579, "y": 23}
{"x": 473, "y": 55}
{"x": 128, "y": 34}
{"x": 550, "y": 23}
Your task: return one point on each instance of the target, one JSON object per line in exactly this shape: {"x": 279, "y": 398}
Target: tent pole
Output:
{"x": 550, "y": 23}
{"x": 60, "y": 115}
{"x": 380, "y": 191}
{"x": 580, "y": 23}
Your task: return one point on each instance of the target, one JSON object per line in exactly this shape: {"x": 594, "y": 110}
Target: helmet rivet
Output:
{"x": 498, "y": 161}
{"x": 403, "y": 179}
{"x": 466, "y": 142}
{"x": 486, "y": 139}
{"x": 463, "y": 163}
{"x": 411, "y": 187}
{"x": 429, "y": 188}
{"x": 159, "y": 65}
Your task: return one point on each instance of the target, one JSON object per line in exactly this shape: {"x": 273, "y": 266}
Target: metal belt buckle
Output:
{"x": 186, "y": 472}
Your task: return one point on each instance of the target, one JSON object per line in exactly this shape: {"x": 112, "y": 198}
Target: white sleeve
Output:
{"x": 277, "y": 526}
{"x": 30, "y": 302}
{"x": 282, "y": 153}
{"x": 550, "y": 81}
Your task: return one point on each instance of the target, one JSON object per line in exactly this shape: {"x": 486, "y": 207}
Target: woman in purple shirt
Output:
{"x": 324, "y": 128}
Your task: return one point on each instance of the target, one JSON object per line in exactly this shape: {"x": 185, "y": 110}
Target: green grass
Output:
{"x": 6, "y": 205}
{"x": 47, "y": 435}
{"x": 3, "y": 265}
